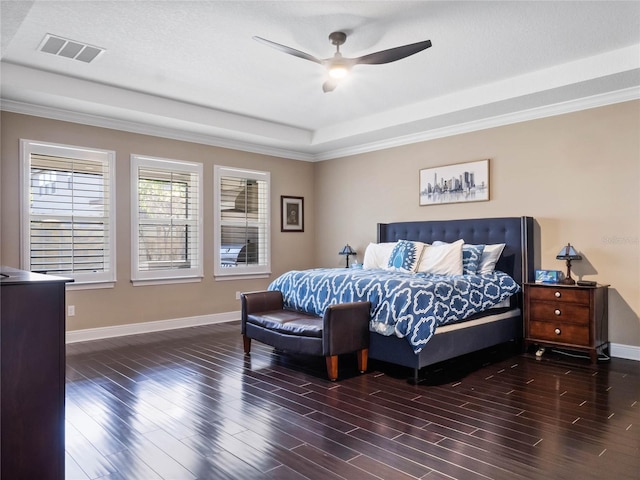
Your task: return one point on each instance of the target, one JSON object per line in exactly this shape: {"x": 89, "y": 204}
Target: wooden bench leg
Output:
{"x": 247, "y": 344}
{"x": 363, "y": 356}
{"x": 332, "y": 367}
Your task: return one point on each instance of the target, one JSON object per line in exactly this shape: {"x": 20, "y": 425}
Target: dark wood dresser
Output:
{"x": 32, "y": 356}
{"x": 567, "y": 316}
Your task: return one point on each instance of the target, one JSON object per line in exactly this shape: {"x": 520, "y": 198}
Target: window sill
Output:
{"x": 89, "y": 285}
{"x": 164, "y": 281}
{"x": 242, "y": 276}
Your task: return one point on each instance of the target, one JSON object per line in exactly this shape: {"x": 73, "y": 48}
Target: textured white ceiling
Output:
{"x": 191, "y": 67}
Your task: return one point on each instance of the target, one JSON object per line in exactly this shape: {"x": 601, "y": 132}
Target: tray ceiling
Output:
{"x": 191, "y": 70}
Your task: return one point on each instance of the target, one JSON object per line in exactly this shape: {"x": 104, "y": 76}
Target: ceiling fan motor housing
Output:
{"x": 337, "y": 38}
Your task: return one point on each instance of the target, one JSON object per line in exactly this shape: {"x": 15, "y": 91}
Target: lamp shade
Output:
{"x": 568, "y": 253}
{"x": 347, "y": 250}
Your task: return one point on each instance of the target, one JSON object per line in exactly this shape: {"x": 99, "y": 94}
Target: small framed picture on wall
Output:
{"x": 292, "y": 214}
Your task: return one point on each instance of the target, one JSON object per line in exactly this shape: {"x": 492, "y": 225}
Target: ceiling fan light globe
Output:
{"x": 338, "y": 71}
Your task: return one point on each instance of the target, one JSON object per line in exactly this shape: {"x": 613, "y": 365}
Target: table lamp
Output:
{"x": 568, "y": 253}
{"x": 347, "y": 250}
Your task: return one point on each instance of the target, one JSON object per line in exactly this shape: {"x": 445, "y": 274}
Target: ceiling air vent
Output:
{"x": 69, "y": 48}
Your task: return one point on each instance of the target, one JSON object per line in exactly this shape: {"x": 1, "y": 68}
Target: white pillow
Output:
{"x": 442, "y": 258}
{"x": 377, "y": 255}
{"x": 490, "y": 256}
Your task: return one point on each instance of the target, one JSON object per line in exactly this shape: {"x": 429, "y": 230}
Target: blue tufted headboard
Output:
{"x": 516, "y": 233}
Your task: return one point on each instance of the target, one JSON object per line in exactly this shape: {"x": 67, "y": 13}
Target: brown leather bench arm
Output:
{"x": 346, "y": 328}
{"x": 262, "y": 301}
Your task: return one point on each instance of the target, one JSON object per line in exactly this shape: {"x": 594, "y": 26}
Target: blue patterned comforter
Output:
{"x": 405, "y": 304}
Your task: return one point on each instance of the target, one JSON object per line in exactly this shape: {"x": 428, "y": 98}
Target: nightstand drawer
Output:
{"x": 571, "y": 295}
{"x": 559, "y": 312}
{"x": 559, "y": 332}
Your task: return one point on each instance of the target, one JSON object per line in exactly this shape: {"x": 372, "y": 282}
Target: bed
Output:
{"x": 517, "y": 260}
{"x": 480, "y": 329}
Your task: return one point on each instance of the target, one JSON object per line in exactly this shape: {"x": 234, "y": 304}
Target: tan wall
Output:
{"x": 577, "y": 174}
{"x": 125, "y": 303}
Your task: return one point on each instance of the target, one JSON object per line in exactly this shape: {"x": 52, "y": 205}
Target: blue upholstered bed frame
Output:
{"x": 517, "y": 260}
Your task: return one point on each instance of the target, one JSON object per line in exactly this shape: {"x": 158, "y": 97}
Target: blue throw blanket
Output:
{"x": 405, "y": 304}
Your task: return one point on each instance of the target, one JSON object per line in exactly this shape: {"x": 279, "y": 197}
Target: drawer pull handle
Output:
{"x": 558, "y": 331}
{"x": 558, "y": 294}
{"x": 557, "y": 311}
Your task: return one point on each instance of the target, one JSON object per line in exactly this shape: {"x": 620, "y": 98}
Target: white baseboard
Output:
{"x": 618, "y": 350}
{"x": 630, "y": 352}
{"x": 86, "y": 334}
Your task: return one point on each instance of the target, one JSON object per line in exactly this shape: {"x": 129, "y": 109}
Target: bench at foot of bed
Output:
{"x": 344, "y": 328}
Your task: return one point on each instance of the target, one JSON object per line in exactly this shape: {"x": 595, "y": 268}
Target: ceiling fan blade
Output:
{"x": 289, "y": 50}
{"x": 330, "y": 85}
{"x": 393, "y": 54}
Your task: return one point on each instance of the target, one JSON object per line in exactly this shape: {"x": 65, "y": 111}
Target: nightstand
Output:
{"x": 567, "y": 316}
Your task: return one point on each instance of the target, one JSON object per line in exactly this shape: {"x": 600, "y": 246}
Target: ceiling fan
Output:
{"x": 338, "y": 66}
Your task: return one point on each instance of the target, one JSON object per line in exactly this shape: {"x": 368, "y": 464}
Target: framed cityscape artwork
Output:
{"x": 461, "y": 182}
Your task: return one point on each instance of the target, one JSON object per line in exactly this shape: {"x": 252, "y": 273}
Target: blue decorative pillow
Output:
{"x": 405, "y": 256}
{"x": 471, "y": 257}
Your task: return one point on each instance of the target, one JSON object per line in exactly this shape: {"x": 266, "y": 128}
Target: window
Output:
{"x": 242, "y": 243}
{"x": 166, "y": 220}
{"x": 68, "y": 213}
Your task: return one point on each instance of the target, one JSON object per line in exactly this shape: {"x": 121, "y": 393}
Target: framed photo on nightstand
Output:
{"x": 549, "y": 276}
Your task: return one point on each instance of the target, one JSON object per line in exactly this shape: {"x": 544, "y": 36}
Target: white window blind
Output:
{"x": 68, "y": 225}
{"x": 242, "y": 239}
{"x": 167, "y": 219}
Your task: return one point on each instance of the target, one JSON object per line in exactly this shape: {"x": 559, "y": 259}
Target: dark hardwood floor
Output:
{"x": 188, "y": 404}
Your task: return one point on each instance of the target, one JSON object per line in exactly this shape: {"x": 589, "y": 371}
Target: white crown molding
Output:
{"x": 593, "y": 75}
{"x": 594, "y": 101}
{"x": 586, "y": 103}
{"x": 87, "y": 334}
{"x": 145, "y": 129}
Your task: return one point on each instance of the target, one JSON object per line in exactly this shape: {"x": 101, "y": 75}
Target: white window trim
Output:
{"x": 245, "y": 272}
{"x": 162, "y": 277}
{"x": 28, "y": 147}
